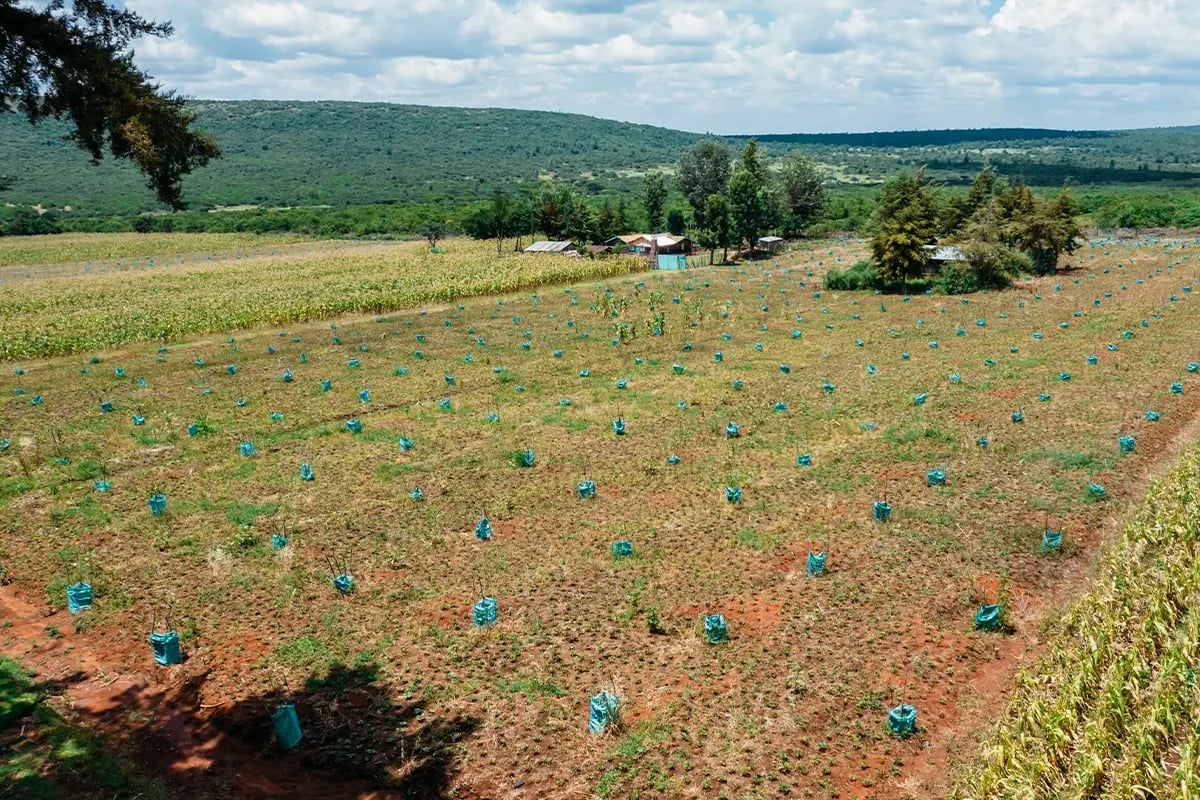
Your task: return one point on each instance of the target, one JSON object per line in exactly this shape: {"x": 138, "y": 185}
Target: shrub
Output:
{"x": 988, "y": 265}
{"x": 858, "y": 277}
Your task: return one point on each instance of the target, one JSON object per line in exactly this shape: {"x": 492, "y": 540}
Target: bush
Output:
{"x": 860, "y": 276}
{"x": 957, "y": 277}
{"x": 988, "y": 266}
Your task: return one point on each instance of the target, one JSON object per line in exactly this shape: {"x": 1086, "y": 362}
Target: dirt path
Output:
{"x": 159, "y": 716}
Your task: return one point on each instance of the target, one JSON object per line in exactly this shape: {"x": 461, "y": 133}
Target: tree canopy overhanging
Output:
{"x": 72, "y": 61}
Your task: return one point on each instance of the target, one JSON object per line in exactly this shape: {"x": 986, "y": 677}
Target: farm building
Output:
{"x": 647, "y": 243}
{"x": 942, "y": 254}
{"x": 769, "y": 243}
{"x": 626, "y": 240}
{"x": 567, "y": 248}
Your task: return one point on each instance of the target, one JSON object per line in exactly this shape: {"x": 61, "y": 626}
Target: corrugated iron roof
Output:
{"x": 944, "y": 252}
{"x": 550, "y": 247}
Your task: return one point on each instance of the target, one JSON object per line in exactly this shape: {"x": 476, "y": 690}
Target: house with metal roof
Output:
{"x": 663, "y": 243}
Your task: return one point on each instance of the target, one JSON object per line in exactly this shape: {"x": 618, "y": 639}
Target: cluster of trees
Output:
{"x": 731, "y": 203}
{"x": 1002, "y": 230}
{"x": 734, "y": 203}
{"x": 559, "y": 212}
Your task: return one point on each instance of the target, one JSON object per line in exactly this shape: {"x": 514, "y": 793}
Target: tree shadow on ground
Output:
{"x": 353, "y": 726}
{"x": 128, "y": 739}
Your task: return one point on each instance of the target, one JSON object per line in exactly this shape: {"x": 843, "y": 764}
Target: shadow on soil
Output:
{"x": 150, "y": 742}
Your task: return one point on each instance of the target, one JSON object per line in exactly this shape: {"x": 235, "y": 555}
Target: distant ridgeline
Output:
{"x": 283, "y": 154}
{"x": 931, "y": 138}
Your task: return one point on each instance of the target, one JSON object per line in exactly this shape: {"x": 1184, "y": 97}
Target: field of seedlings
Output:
{"x": 716, "y": 533}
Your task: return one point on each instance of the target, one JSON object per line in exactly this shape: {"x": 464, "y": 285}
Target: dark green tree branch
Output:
{"x": 72, "y": 61}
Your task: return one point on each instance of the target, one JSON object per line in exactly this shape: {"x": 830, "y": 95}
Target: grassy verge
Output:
{"x": 44, "y": 756}
{"x": 1114, "y": 711}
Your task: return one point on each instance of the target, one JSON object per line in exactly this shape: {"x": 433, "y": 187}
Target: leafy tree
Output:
{"x": 755, "y": 205}
{"x": 906, "y": 190}
{"x": 26, "y": 221}
{"x": 549, "y": 214}
{"x": 718, "y": 216}
{"x": 562, "y": 215}
{"x": 982, "y": 192}
{"x": 676, "y": 223}
{"x": 989, "y": 262}
{"x": 898, "y": 247}
{"x": 501, "y": 208}
{"x": 433, "y": 229}
{"x": 1041, "y": 229}
{"x": 604, "y": 222}
{"x": 623, "y": 221}
{"x": 71, "y": 59}
{"x": 654, "y": 197}
{"x": 906, "y": 222}
{"x": 522, "y": 218}
{"x": 704, "y": 171}
{"x": 803, "y": 193}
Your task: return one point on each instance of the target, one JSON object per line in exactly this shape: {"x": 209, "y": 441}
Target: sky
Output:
{"x": 735, "y": 66}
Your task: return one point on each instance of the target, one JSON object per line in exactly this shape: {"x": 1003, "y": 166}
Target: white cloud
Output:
{"x": 735, "y": 65}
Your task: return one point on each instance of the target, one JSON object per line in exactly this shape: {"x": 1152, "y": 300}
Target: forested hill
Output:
{"x": 334, "y": 153}
{"x": 312, "y": 153}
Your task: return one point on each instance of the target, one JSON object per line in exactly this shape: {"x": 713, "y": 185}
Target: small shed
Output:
{"x": 942, "y": 254}
{"x": 769, "y": 243}
{"x": 567, "y": 248}
{"x": 599, "y": 249}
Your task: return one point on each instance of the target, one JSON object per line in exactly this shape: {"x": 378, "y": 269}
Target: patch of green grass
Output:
{"x": 12, "y": 488}
{"x": 900, "y": 435}
{"x": 299, "y": 434}
{"x": 1066, "y": 459}
{"x": 245, "y": 514}
{"x": 570, "y": 423}
{"x": 619, "y": 781}
{"x": 87, "y": 509}
{"x": 340, "y": 679}
{"x": 305, "y": 651}
{"x": 758, "y": 540}
{"x": 245, "y": 469}
{"x": 392, "y": 472}
{"x": 990, "y": 493}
